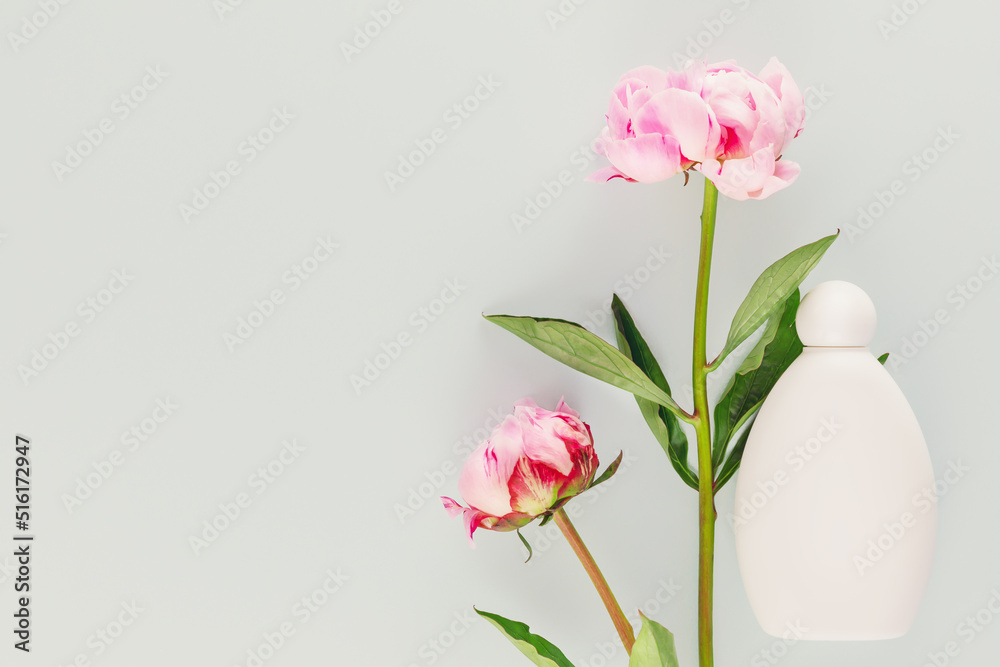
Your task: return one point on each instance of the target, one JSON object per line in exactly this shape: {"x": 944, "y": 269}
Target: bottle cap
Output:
{"x": 836, "y": 314}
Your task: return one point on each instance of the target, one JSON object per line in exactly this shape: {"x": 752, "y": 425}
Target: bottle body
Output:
{"x": 835, "y": 510}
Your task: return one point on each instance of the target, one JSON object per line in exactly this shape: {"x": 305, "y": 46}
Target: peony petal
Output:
{"x": 771, "y": 128}
{"x": 454, "y": 508}
{"x": 543, "y": 441}
{"x": 632, "y": 93}
{"x": 680, "y": 114}
{"x": 534, "y": 487}
{"x": 553, "y": 437}
{"x": 575, "y": 434}
{"x": 584, "y": 468}
{"x": 605, "y": 174}
{"x": 526, "y": 402}
{"x": 653, "y": 77}
{"x": 736, "y": 178}
{"x": 731, "y": 84}
{"x": 749, "y": 174}
{"x": 648, "y": 158}
{"x": 738, "y": 121}
{"x": 785, "y": 173}
{"x": 483, "y": 482}
{"x": 691, "y": 78}
{"x": 724, "y": 66}
{"x": 619, "y": 120}
{"x": 780, "y": 80}
{"x": 471, "y": 517}
{"x": 542, "y": 445}
{"x": 728, "y": 95}
{"x": 565, "y": 409}
{"x": 474, "y": 519}
{"x": 511, "y": 521}
{"x": 637, "y": 98}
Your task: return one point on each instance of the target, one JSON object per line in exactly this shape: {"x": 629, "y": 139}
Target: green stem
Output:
{"x": 703, "y": 428}
{"x": 622, "y": 625}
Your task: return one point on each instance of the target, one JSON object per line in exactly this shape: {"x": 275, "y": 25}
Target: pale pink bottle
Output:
{"x": 836, "y": 513}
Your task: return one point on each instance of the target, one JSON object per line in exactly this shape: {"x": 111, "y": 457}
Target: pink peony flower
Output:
{"x": 720, "y": 120}
{"x": 532, "y": 464}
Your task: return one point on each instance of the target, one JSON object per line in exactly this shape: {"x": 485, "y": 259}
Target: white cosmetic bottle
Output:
{"x": 835, "y": 507}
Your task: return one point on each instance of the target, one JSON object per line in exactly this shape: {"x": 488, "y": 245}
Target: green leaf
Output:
{"x": 751, "y": 383}
{"x": 664, "y": 424}
{"x": 771, "y": 289}
{"x": 526, "y": 545}
{"x": 883, "y": 358}
{"x": 654, "y": 647}
{"x": 537, "y": 649}
{"x": 756, "y": 356}
{"x": 732, "y": 463}
{"x": 586, "y": 352}
{"x": 608, "y": 472}
{"x": 545, "y": 519}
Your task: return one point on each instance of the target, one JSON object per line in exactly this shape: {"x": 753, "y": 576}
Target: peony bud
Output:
{"x": 531, "y": 465}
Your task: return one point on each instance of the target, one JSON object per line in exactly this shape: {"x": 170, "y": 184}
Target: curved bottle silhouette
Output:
{"x": 835, "y": 507}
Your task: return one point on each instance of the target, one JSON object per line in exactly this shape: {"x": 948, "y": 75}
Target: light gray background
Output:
{"x": 877, "y": 100}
